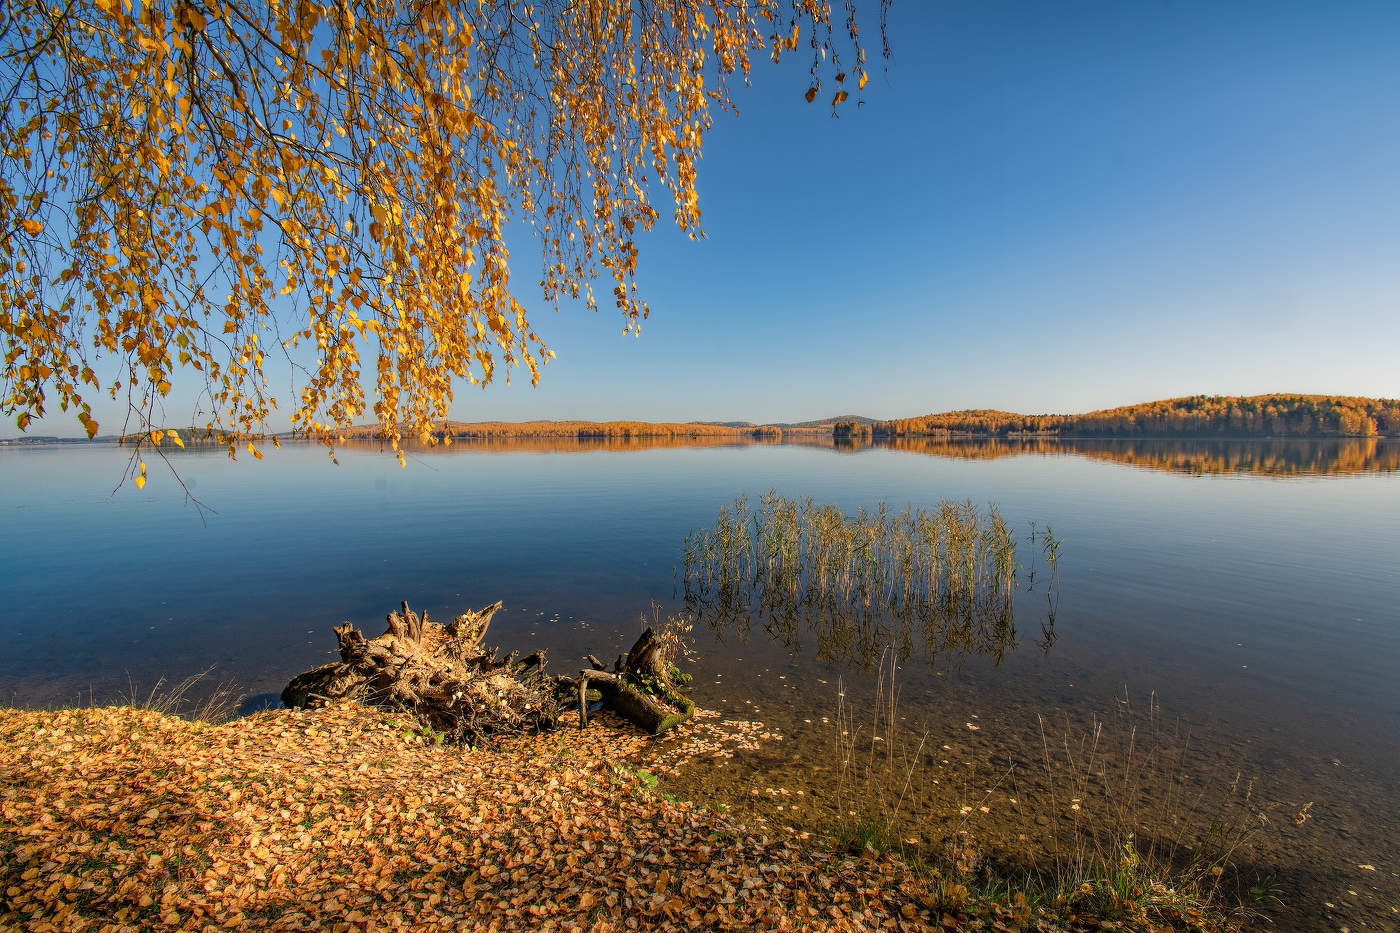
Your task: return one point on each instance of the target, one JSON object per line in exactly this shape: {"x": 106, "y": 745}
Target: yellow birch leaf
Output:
{"x": 478, "y": 147}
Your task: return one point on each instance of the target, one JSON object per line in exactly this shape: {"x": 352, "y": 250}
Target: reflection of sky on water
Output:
{"x": 1260, "y": 611}
{"x": 1260, "y": 595}
{"x": 1298, "y": 575}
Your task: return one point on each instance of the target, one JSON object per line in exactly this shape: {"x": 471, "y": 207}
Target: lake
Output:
{"x": 1230, "y": 609}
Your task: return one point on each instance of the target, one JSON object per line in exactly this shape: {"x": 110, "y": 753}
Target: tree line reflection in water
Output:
{"x": 1201, "y": 456}
{"x": 935, "y": 583}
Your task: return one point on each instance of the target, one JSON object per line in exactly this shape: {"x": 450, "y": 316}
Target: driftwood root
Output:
{"x": 465, "y": 692}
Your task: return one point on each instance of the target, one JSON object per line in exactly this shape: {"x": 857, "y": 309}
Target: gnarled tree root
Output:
{"x": 443, "y": 675}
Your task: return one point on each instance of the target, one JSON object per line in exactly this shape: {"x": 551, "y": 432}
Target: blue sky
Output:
{"x": 1040, "y": 207}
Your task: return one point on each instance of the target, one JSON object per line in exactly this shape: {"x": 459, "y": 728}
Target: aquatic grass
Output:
{"x": 876, "y": 770}
{"x": 1130, "y": 832}
{"x": 1111, "y": 838}
{"x": 1126, "y": 837}
{"x": 939, "y": 580}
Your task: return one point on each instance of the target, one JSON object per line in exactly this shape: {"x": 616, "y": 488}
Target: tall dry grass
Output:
{"x": 196, "y": 697}
{"x": 1113, "y": 819}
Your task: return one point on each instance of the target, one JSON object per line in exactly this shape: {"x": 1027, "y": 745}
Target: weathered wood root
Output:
{"x": 439, "y": 672}
{"x": 639, "y": 688}
{"x": 443, "y": 675}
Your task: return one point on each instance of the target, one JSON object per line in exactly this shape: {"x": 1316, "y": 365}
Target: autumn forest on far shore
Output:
{"x": 1192, "y": 416}
{"x": 1198, "y": 416}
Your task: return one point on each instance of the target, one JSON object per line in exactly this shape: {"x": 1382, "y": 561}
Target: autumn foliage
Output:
{"x": 345, "y": 819}
{"x": 582, "y": 430}
{"x": 1196, "y": 415}
{"x": 233, "y": 191}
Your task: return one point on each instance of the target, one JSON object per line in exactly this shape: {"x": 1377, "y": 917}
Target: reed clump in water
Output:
{"x": 936, "y": 581}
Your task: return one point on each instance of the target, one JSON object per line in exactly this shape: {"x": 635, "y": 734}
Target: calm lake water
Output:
{"x": 1244, "y": 594}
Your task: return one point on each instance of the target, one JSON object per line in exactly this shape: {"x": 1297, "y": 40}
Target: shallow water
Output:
{"x": 1243, "y": 594}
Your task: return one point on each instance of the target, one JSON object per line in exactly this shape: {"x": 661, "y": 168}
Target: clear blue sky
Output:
{"x": 1040, "y": 207}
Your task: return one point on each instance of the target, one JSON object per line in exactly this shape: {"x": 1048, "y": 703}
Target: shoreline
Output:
{"x": 349, "y": 818}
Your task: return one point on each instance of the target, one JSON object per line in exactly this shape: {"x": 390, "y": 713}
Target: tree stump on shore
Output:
{"x": 640, "y": 687}
{"x": 442, "y": 674}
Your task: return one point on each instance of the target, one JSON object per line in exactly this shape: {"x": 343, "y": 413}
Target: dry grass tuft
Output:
{"x": 187, "y": 698}
{"x": 1110, "y": 832}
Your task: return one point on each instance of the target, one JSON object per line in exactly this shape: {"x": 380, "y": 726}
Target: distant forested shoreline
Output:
{"x": 1192, "y": 416}
{"x": 580, "y": 429}
{"x": 1217, "y": 416}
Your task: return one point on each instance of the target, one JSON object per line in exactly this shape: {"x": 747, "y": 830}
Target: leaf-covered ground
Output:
{"x": 347, "y": 819}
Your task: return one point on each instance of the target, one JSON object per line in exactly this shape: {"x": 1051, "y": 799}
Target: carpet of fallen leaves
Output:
{"x": 348, "y": 819}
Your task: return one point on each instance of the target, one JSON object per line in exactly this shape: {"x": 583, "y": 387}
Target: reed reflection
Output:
{"x": 931, "y": 583}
